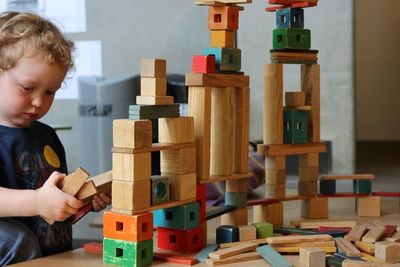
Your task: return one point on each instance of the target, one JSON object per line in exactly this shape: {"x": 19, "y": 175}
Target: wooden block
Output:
{"x": 308, "y": 174}
{"x": 264, "y": 229}
{"x": 176, "y": 130}
{"x": 295, "y": 126}
{"x": 275, "y": 163}
{"x": 131, "y": 195}
{"x": 165, "y": 257}
{"x": 203, "y": 254}
{"x": 183, "y": 241}
{"x": 153, "y": 68}
{"x": 237, "y": 199}
{"x": 273, "y": 257}
{"x": 327, "y": 187}
{"x": 182, "y": 161}
{"x": 369, "y": 206}
{"x": 362, "y": 186}
{"x": 232, "y": 251}
{"x": 132, "y": 134}
{"x": 312, "y": 257}
{"x": 103, "y": 182}
{"x": 74, "y": 181}
{"x": 183, "y": 186}
{"x": 236, "y": 185}
{"x": 388, "y": 251}
{"x": 352, "y": 263}
{"x": 247, "y": 232}
{"x": 223, "y": 18}
{"x": 288, "y": 249}
{"x": 134, "y": 228}
{"x": 153, "y": 86}
{"x": 160, "y": 189}
{"x": 180, "y": 217}
{"x": 200, "y": 109}
{"x": 356, "y": 233}
{"x": 349, "y": 177}
{"x": 323, "y": 244}
{"x": 226, "y": 59}
{"x": 297, "y": 239}
{"x": 217, "y": 80}
{"x": 307, "y": 188}
{"x": 131, "y": 167}
{"x": 295, "y": 99}
{"x": 347, "y": 247}
{"x": 154, "y": 100}
{"x": 227, "y": 234}
{"x": 374, "y": 234}
{"x": 125, "y": 253}
{"x": 309, "y": 160}
{"x": 290, "y": 149}
{"x": 241, "y": 126}
{"x": 278, "y": 56}
{"x": 318, "y": 224}
{"x": 275, "y": 177}
{"x": 315, "y": 208}
{"x": 275, "y": 191}
{"x": 272, "y": 213}
{"x": 222, "y": 2}
{"x": 236, "y": 217}
{"x": 290, "y": 18}
{"x": 93, "y": 247}
{"x": 273, "y": 104}
{"x": 222, "y": 38}
{"x": 255, "y": 241}
{"x": 222, "y": 129}
{"x": 87, "y": 190}
{"x": 235, "y": 259}
{"x": 291, "y": 38}
{"x": 203, "y": 64}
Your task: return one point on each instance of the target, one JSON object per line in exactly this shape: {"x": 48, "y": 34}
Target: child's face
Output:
{"x": 27, "y": 90}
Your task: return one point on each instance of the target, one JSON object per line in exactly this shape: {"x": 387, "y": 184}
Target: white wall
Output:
{"x": 377, "y": 40}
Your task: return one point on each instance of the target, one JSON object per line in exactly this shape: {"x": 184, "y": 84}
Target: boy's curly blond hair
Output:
{"x": 22, "y": 33}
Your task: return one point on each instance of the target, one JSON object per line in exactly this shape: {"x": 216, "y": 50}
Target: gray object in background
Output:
{"x": 101, "y": 100}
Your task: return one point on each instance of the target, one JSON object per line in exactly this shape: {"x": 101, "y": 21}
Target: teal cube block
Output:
{"x": 362, "y": 186}
{"x": 237, "y": 199}
{"x": 159, "y": 189}
{"x": 291, "y": 38}
{"x": 181, "y": 217}
{"x": 264, "y": 229}
{"x": 126, "y": 253}
{"x": 226, "y": 59}
{"x": 295, "y": 126}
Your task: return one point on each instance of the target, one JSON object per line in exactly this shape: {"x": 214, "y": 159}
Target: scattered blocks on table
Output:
{"x": 388, "y": 251}
{"x": 132, "y": 134}
{"x": 184, "y": 241}
{"x": 222, "y": 38}
{"x": 291, "y": 38}
{"x": 227, "y": 234}
{"x": 362, "y": 186}
{"x": 290, "y": 18}
{"x": 247, "y": 232}
{"x": 223, "y": 18}
{"x": 369, "y": 206}
{"x": 153, "y": 68}
{"x": 180, "y": 217}
{"x": 203, "y": 64}
{"x": 226, "y": 59}
{"x": 128, "y": 254}
{"x": 264, "y": 229}
{"x": 159, "y": 189}
{"x": 312, "y": 257}
{"x": 176, "y": 130}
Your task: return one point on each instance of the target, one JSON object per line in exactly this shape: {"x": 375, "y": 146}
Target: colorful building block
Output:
{"x": 128, "y": 254}
{"x": 362, "y": 186}
{"x": 227, "y": 59}
{"x": 134, "y": 228}
{"x": 203, "y": 64}
{"x": 295, "y": 126}
{"x": 223, "y": 18}
{"x": 291, "y": 38}
{"x": 290, "y": 18}
{"x": 180, "y": 217}
{"x": 222, "y": 38}
{"x": 264, "y": 229}
{"x": 327, "y": 187}
{"x": 201, "y": 199}
{"x": 237, "y": 199}
{"x": 227, "y": 234}
{"x": 184, "y": 241}
{"x": 159, "y": 190}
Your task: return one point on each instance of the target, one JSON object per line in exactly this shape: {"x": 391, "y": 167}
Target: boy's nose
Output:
{"x": 37, "y": 102}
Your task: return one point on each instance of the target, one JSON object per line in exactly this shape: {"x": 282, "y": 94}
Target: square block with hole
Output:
{"x": 159, "y": 189}
{"x": 223, "y": 18}
{"x": 134, "y": 228}
{"x": 184, "y": 241}
{"x": 181, "y": 217}
{"x": 290, "y": 18}
{"x": 126, "y": 253}
{"x": 226, "y": 59}
{"x": 291, "y": 38}
{"x": 295, "y": 126}
{"x": 362, "y": 186}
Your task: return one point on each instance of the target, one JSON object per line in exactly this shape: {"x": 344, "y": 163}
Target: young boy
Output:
{"x": 34, "y": 60}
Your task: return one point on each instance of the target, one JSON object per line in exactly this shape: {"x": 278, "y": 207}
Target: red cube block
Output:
{"x": 203, "y": 64}
{"x": 201, "y": 198}
{"x": 184, "y": 241}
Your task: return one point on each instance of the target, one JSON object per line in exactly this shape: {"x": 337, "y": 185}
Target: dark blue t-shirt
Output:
{"x": 27, "y": 158}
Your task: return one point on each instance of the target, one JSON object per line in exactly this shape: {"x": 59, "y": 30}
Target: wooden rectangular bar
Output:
{"x": 217, "y": 80}
{"x": 274, "y": 150}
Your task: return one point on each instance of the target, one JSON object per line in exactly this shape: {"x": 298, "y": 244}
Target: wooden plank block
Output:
{"x": 312, "y": 257}
{"x": 154, "y": 147}
{"x": 183, "y": 186}
{"x": 182, "y": 161}
{"x": 273, "y": 257}
{"x": 202, "y": 255}
{"x": 220, "y": 178}
{"x": 286, "y": 57}
{"x": 308, "y": 244}
{"x": 297, "y": 239}
{"x": 347, "y": 247}
{"x": 351, "y": 263}
{"x": 259, "y": 241}
{"x": 273, "y": 104}
{"x": 388, "y": 251}
{"x": 208, "y": 2}
{"x": 154, "y": 100}
{"x": 222, "y": 129}
{"x": 153, "y": 68}
{"x": 356, "y": 233}
{"x": 374, "y": 234}
{"x": 93, "y": 247}
{"x": 290, "y": 249}
{"x": 317, "y": 224}
{"x": 176, "y": 130}
{"x": 348, "y": 177}
{"x": 74, "y": 181}
{"x": 131, "y": 167}
{"x": 275, "y": 150}
{"x": 153, "y": 86}
{"x": 369, "y": 206}
{"x": 200, "y": 109}
{"x": 241, "y": 130}
{"x": 132, "y": 134}
{"x": 235, "y": 259}
{"x": 217, "y": 80}
{"x": 370, "y": 258}
{"x": 182, "y": 260}
{"x": 367, "y": 247}
{"x": 88, "y": 189}
{"x": 232, "y": 251}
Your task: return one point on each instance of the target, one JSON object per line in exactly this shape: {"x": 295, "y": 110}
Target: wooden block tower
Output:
{"x": 292, "y": 127}
{"x": 128, "y": 228}
{"x": 219, "y": 104}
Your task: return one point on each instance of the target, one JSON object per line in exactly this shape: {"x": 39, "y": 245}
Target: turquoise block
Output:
{"x": 272, "y": 257}
{"x": 227, "y": 59}
{"x": 264, "y": 229}
{"x": 362, "y": 186}
{"x": 159, "y": 189}
{"x": 295, "y": 126}
{"x": 237, "y": 199}
{"x": 291, "y": 38}
{"x": 181, "y": 217}
{"x": 127, "y": 254}
{"x": 290, "y": 18}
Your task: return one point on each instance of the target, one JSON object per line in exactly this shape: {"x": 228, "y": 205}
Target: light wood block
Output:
{"x": 236, "y": 185}
{"x": 74, "y": 181}
{"x": 273, "y": 104}
{"x": 259, "y": 241}
{"x": 308, "y": 174}
{"x": 351, "y": 263}
{"x": 132, "y": 133}
{"x": 275, "y": 177}
{"x": 312, "y": 257}
{"x": 272, "y": 213}
{"x": 88, "y": 189}
{"x": 217, "y": 80}
{"x": 315, "y": 208}
{"x": 200, "y": 109}
{"x": 388, "y": 251}
{"x": 309, "y": 160}
{"x": 131, "y": 167}
{"x": 176, "y": 130}
{"x": 317, "y": 224}
{"x": 247, "y": 232}
{"x": 153, "y": 68}
{"x": 232, "y": 251}
{"x": 222, "y": 38}
{"x": 131, "y": 196}
{"x": 369, "y": 206}
{"x": 153, "y": 86}
{"x": 374, "y": 234}
{"x": 289, "y": 249}
{"x": 310, "y": 85}
{"x": 356, "y": 233}
{"x": 154, "y": 100}
{"x": 235, "y": 259}
{"x": 222, "y": 129}
{"x": 275, "y": 163}
{"x": 236, "y": 217}
{"x": 183, "y": 186}
{"x": 241, "y": 137}
{"x": 297, "y": 239}
{"x": 367, "y": 247}
{"x": 182, "y": 161}
{"x": 349, "y": 177}
{"x": 347, "y": 247}
{"x": 276, "y": 191}
{"x": 295, "y": 99}
{"x": 322, "y": 244}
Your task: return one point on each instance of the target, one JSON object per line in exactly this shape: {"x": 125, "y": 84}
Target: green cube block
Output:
{"x": 362, "y": 186}
{"x": 264, "y": 229}
{"x": 295, "y": 126}
{"x": 291, "y": 38}
{"x": 237, "y": 199}
{"x": 226, "y": 59}
{"x": 127, "y": 254}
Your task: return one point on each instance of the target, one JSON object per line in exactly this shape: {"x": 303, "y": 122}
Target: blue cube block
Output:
{"x": 227, "y": 234}
{"x": 290, "y": 18}
{"x": 181, "y": 217}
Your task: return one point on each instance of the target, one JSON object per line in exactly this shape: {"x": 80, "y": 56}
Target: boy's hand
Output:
{"x": 54, "y": 204}
{"x": 101, "y": 201}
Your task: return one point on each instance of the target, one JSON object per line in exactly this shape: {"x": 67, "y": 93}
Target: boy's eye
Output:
{"x": 49, "y": 92}
{"x": 27, "y": 88}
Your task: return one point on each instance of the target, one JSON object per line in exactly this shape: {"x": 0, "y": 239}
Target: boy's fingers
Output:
{"x": 73, "y": 202}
